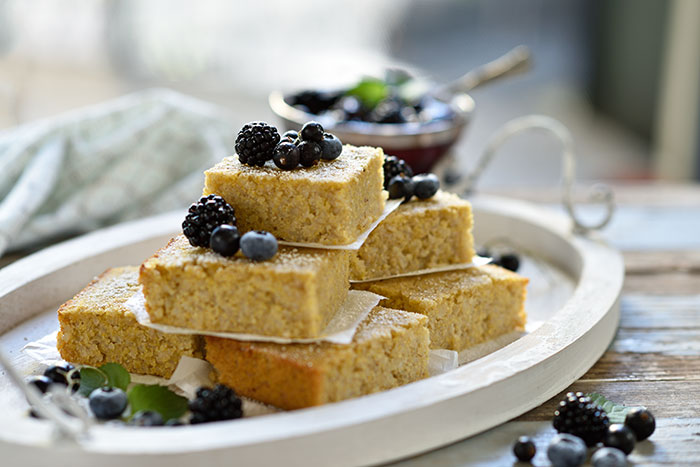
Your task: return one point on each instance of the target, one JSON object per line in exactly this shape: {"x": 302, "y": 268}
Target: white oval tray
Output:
{"x": 389, "y": 425}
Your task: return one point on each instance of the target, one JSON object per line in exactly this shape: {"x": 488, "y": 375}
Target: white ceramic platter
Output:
{"x": 585, "y": 279}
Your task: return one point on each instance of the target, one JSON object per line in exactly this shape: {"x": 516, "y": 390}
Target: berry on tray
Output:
{"x": 204, "y": 216}
{"x": 619, "y": 436}
{"x": 641, "y": 422}
{"x": 64, "y": 374}
{"x": 286, "y": 155}
{"x": 394, "y": 166}
{"x": 426, "y": 185}
{"x": 578, "y": 416}
{"x": 146, "y": 418}
{"x": 609, "y": 457}
{"x": 42, "y": 383}
{"x": 312, "y": 131}
{"x": 211, "y": 405}
{"x": 309, "y": 153}
{"x": 108, "y": 403}
{"x": 524, "y": 449}
{"x": 258, "y": 245}
{"x": 331, "y": 147}
{"x": 566, "y": 450}
{"x": 509, "y": 261}
{"x": 401, "y": 187}
{"x": 256, "y": 143}
{"x": 225, "y": 240}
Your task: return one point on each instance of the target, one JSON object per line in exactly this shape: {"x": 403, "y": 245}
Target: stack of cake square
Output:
{"x": 295, "y": 294}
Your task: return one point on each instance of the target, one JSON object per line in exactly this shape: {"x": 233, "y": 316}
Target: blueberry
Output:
{"x": 331, "y": 147}
{"x": 60, "y": 373}
{"x": 146, "y": 418}
{"x": 286, "y": 155}
{"x": 400, "y": 187}
{"x": 524, "y": 449}
{"x": 609, "y": 457}
{"x": 566, "y": 450}
{"x": 619, "y": 436}
{"x": 225, "y": 240}
{"x": 641, "y": 422}
{"x": 290, "y": 135}
{"x": 309, "y": 153}
{"x": 312, "y": 131}
{"x": 509, "y": 261}
{"x": 42, "y": 383}
{"x": 108, "y": 403}
{"x": 258, "y": 245}
{"x": 426, "y": 185}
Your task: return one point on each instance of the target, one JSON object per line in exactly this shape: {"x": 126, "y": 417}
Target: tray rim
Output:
{"x": 366, "y": 417}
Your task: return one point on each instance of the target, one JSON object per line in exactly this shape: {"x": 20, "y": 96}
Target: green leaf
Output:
{"x": 90, "y": 379}
{"x": 616, "y": 412}
{"x": 370, "y": 91}
{"x": 117, "y": 376}
{"x": 158, "y": 399}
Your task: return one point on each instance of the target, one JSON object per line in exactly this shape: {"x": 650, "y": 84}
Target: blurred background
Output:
{"x": 623, "y": 75}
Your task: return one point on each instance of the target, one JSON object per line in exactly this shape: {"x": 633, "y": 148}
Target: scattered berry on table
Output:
{"x": 309, "y": 153}
{"x": 204, "y": 216}
{"x": 256, "y": 142}
{"x": 219, "y": 403}
{"x": 146, "y": 418}
{"x": 290, "y": 135}
{"x": 312, "y": 131}
{"x": 394, "y": 166}
{"x": 609, "y": 457}
{"x": 225, "y": 240}
{"x": 108, "y": 403}
{"x": 509, "y": 261}
{"x": 401, "y": 187}
{"x": 566, "y": 450}
{"x": 578, "y": 416}
{"x": 426, "y": 185}
{"x": 641, "y": 422}
{"x": 621, "y": 437}
{"x": 331, "y": 147}
{"x": 42, "y": 383}
{"x": 524, "y": 449}
{"x": 286, "y": 155}
{"x": 62, "y": 373}
{"x": 258, "y": 245}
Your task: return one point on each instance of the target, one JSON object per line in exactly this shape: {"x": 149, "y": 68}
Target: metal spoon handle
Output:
{"x": 514, "y": 62}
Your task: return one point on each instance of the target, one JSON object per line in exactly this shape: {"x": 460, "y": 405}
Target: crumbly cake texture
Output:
{"x": 420, "y": 234}
{"x": 390, "y": 348}
{"x": 464, "y": 307}
{"x": 97, "y": 328}
{"x": 295, "y": 294}
{"x": 331, "y": 203}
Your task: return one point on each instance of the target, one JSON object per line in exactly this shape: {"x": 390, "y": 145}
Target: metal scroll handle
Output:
{"x": 600, "y": 193}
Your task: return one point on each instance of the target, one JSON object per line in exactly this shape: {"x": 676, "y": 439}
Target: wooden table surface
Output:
{"x": 655, "y": 358}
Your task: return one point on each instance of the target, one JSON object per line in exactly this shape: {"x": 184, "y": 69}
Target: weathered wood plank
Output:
{"x": 634, "y": 367}
{"x": 655, "y": 262}
{"x": 666, "y": 399}
{"x": 670, "y": 283}
{"x": 660, "y": 311}
{"x": 662, "y": 341}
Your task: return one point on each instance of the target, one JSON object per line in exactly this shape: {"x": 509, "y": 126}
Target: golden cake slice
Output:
{"x": 464, "y": 308}
{"x": 294, "y": 294}
{"x": 97, "y": 328}
{"x": 390, "y": 348}
{"x": 420, "y": 234}
{"x": 331, "y": 203}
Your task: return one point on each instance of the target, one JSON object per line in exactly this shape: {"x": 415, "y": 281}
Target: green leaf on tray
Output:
{"x": 90, "y": 379}
{"x": 117, "y": 376}
{"x": 616, "y": 412}
{"x": 158, "y": 399}
{"x": 370, "y": 91}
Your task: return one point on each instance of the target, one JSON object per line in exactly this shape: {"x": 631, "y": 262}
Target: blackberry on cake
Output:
{"x": 256, "y": 142}
{"x": 204, "y": 216}
{"x": 394, "y": 166}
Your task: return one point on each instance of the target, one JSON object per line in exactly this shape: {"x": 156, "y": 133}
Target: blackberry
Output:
{"x": 394, "y": 166}
{"x": 211, "y": 405}
{"x": 204, "y": 216}
{"x": 256, "y": 143}
{"x": 578, "y": 416}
